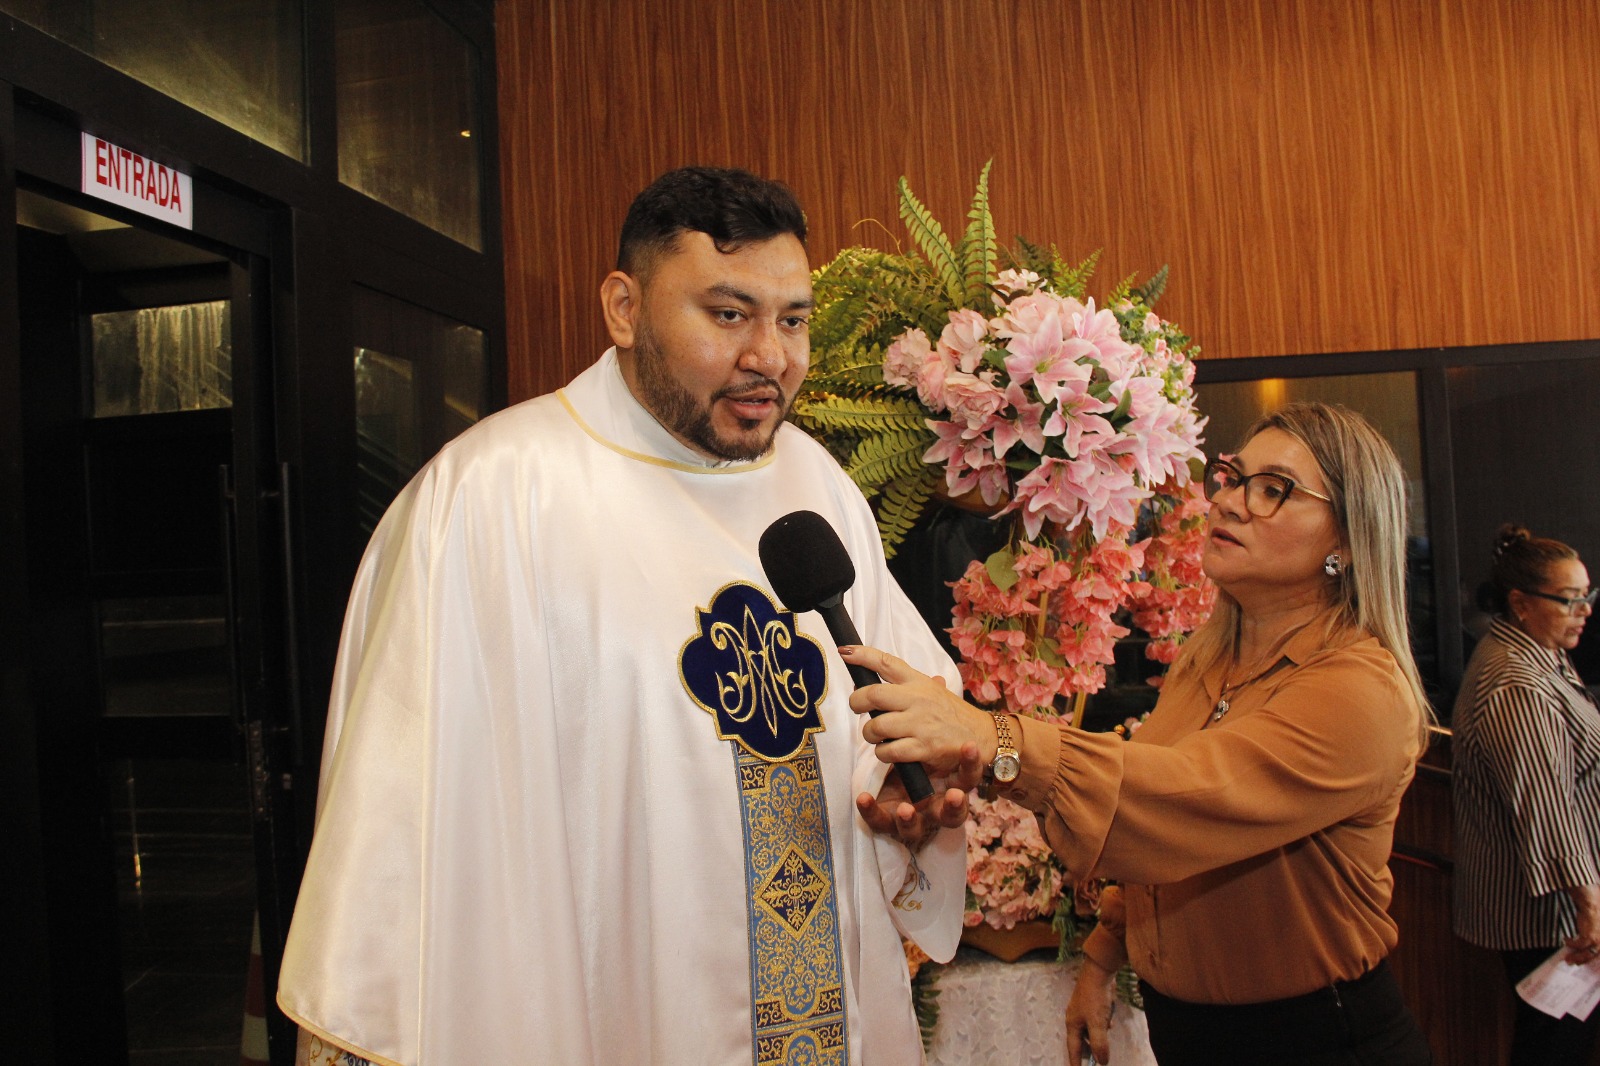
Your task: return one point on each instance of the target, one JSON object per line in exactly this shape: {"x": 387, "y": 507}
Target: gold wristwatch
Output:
{"x": 1007, "y": 760}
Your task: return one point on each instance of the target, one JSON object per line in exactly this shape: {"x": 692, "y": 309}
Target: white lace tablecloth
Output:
{"x": 994, "y": 1013}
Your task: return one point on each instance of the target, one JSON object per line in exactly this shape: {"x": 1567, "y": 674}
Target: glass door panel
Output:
{"x": 151, "y": 844}
{"x": 154, "y": 360}
{"x": 421, "y": 378}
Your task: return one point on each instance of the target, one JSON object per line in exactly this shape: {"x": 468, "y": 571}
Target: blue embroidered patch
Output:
{"x": 759, "y": 678}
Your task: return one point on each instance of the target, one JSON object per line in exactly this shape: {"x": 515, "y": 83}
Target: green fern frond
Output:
{"x": 882, "y": 458}
{"x": 1122, "y": 290}
{"x": 1151, "y": 291}
{"x": 1062, "y": 277}
{"x": 873, "y": 297}
{"x": 912, "y": 293}
{"x": 843, "y": 326}
{"x": 875, "y": 415}
{"x": 1074, "y": 280}
{"x": 925, "y": 1002}
{"x": 1026, "y": 255}
{"x": 856, "y": 270}
{"x": 901, "y": 505}
{"x": 854, "y": 371}
{"x": 931, "y": 241}
{"x": 977, "y": 250}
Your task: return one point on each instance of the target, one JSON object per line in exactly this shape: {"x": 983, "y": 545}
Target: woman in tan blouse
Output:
{"x": 1251, "y": 818}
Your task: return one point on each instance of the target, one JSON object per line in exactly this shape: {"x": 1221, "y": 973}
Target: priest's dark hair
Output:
{"x": 732, "y": 207}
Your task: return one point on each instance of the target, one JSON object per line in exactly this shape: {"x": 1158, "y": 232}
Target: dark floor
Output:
{"x": 186, "y": 893}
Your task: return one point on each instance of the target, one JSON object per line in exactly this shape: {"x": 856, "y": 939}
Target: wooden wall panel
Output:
{"x": 1321, "y": 177}
{"x": 1458, "y": 991}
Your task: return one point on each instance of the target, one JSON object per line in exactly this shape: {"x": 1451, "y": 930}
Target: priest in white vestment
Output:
{"x": 590, "y": 794}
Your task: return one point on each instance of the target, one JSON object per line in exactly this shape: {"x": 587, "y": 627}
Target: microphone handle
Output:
{"x": 843, "y": 631}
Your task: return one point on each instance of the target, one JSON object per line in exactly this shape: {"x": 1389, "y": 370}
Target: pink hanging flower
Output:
{"x": 1176, "y": 597}
{"x": 1024, "y": 427}
{"x": 1078, "y": 420}
{"x": 1011, "y": 874}
{"x": 969, "y": 464}
{"x": 1156, "y": 438}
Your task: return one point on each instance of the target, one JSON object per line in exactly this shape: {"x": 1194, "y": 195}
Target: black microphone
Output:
{"x": 810, "y": 570}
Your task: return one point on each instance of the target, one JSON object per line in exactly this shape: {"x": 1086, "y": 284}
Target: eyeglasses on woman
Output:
{"x": 1264, "y": 492}
{"x": 1571, "y": 603}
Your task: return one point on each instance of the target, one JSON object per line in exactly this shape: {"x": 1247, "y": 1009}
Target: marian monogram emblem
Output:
{"x": 758, "y": 677}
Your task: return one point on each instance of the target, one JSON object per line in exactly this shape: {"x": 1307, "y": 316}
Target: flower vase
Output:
{"x": 1009, "y": 945}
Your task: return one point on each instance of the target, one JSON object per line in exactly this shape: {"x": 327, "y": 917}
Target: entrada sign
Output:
{"x": 137, "y": 182}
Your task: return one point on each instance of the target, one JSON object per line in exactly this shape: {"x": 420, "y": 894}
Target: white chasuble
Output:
{"x": 588, "y": 789}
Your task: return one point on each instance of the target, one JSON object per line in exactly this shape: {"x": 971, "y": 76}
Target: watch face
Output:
{"x": 1007, "y": 767}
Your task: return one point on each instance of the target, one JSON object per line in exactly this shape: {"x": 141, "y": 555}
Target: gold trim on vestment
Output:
{"x": 327, "y": 1037}
{"x": 670, "y": 464}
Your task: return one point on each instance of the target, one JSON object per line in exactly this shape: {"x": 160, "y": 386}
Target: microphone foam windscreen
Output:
{"x": 805, "y": 560}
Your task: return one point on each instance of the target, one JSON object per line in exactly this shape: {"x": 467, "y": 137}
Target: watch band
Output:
{"x": 1002, "y": 732}
{"x": 1007, "y": 763}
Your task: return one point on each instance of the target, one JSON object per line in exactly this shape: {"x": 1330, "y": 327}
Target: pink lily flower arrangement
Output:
{"x": 1011, "y": 391}
{"x": 1047, "y": 411}
{"x": 1077, "y": 421}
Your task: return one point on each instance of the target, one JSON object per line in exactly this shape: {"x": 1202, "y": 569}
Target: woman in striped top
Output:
{"x": 1527, "y": 785}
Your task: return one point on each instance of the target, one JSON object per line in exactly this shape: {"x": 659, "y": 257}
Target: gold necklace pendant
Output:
{"x": 1223, "y": 706}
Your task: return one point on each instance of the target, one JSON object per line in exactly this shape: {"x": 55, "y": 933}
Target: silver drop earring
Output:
{"x": 1333, "y": 566}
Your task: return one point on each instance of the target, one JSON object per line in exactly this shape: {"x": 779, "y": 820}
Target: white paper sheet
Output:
{"x": 1558, "y": 988}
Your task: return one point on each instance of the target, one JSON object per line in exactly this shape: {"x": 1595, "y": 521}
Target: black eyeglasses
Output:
{"x": 1264, "y": 493}
{"x": 1569, "y": 602}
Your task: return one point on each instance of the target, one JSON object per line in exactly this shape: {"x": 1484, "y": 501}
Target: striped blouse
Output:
{"x": 1526, "y": 790}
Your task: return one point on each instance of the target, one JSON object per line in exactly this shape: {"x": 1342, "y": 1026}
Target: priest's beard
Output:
{"x": 685, "y": 416}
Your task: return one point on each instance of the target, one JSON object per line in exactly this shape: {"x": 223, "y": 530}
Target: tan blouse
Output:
{"x": 1253, "y": 849}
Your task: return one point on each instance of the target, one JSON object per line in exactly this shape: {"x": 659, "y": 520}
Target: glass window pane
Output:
{"x": 1390, "y": 403}
{"x": 1523, "y": 452}
{"x": 388, "y": 452}
{"x": 420, "y": 380}
{"x": 462, "y": 372}
{"x": 160, "y": 359}
{"x": 408, "y": 112}
{"x": 242, "y": 62}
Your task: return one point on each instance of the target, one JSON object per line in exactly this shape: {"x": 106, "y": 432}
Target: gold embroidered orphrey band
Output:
{"x": 796, "y": 967}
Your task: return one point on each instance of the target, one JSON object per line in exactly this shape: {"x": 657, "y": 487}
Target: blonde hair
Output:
{"x": 1367, "y": 485}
